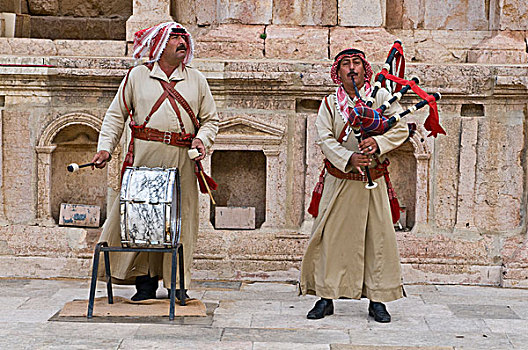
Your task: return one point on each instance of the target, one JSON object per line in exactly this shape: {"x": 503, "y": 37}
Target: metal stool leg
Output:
{"x": 108, "y": 275}
{"x": 182, "y": 274}
{"x": 93, "y": 284}
{"x": 173, "y": 285}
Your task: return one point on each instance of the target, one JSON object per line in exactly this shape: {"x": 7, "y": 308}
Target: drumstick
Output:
{"x": 73, "y": 167}
{"x": 207, "y": 187}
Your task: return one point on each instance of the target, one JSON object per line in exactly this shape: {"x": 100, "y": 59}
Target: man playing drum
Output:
{"x": 352, "y": 252}
{"x": 171, "y": 109}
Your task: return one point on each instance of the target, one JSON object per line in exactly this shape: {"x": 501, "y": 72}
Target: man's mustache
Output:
{"x": 181, "y": 47}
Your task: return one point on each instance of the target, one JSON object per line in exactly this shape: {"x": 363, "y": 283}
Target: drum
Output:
{"x": 150, "y": 203}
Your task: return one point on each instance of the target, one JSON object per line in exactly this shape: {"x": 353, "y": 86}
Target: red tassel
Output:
{"x": 210, "y": 182}
{"x": 317, "y": 193}
{"x": 395, "y": 209}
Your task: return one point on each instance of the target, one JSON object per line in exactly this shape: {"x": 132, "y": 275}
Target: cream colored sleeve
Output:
{"x": 396, "y": 135}
{"x": 116, "y": 117}
{"x": 207, "y": 115}
{"x": 334, "y": 151}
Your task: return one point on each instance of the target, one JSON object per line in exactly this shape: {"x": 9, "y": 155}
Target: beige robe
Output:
{"x": 352, "y": 252}
{"x": 141, "y": 92}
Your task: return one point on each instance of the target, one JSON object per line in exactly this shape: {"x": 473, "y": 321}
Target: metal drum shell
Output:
{"x": 150, "y": 212}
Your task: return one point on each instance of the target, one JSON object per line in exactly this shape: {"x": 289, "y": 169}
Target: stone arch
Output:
{"x": 51, "y": 155}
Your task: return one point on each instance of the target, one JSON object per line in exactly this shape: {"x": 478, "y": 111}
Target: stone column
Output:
{"x": 274, "y": 189}
{"x": 467, "y": 171}
{"x": 421, "y": 212}
{"x": 146, "y": 13}
{"x": 44, "y": 184}
{"x": 3, "y": 220}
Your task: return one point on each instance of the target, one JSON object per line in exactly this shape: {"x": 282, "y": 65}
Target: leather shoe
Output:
{"x": 322, "y": 308}
{"x": 177, "y": 294}
{"x": 145, "y": 288}
{"x": 379, "y": 312}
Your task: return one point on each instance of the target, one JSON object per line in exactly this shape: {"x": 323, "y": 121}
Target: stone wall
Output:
{"x": 267, "y": 63}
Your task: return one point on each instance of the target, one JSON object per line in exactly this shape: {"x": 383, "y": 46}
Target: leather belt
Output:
{"x": 167, "y": 137}
{"x": 375, "y": 173}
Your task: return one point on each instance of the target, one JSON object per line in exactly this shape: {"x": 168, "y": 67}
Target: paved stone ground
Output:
{"x": 268, "y": 316}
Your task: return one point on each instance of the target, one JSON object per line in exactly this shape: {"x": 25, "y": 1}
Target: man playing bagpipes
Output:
{"x": 352, "y": 252}
{"x": 171, "y": 109}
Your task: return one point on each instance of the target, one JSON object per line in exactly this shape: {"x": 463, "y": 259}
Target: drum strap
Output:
{"x": 182, "y": 139}
{"x": 138, "y": 131}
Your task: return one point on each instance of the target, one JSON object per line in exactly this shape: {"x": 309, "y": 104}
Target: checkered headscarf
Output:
{"x": 350, "y": 53}
{"x": 154, "y": 39}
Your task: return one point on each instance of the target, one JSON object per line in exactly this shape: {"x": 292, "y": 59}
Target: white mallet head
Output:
{"x": 73, "y": 167}
{"x": 193, "y": 153}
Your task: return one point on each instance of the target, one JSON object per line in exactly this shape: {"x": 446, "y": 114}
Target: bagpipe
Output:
{"x": 366, "y": 121}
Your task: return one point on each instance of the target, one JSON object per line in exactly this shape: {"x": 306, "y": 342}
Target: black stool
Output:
{"x": 103, "y": 247}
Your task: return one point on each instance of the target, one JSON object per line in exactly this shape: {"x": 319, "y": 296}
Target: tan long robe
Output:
{"x": 352, "y": 252}
{"x": 141, "y": 92}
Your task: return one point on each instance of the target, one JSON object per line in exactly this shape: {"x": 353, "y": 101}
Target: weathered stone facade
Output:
{"x": 268, "y": 64}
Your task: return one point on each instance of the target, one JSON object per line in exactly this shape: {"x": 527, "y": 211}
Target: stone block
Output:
{"x": 95, "y": 8}
{"x": 117, "y": 29}
{"x": 305, "y": 12}
{"x": 514, "y": 251}
{"x": 206, "y": 12}
{"x": 291, "y": 43}
{"x": 513, "y": 15}
{"x": 235, "y": 218}
{"x": 22, "y": 26}
{"x": 245, "y": 12}
{"x": 360, "y": 13}
{"x": 443, "y": 249}
{"x": 455, "y": 14}
{"x": 79, "y": 215}
{"x": 394, "y": 18}
{"x": 505, "y": 47}
{"x": 230, "y": 41}
{"x": 43, "y": 7}
{"x": 97, "y": 29}
{"x": 375, "y": 42}
{"x": 412, "y": 15}
{"x": 2, "y": 27}
{"x": 13, "y": 6}
{"x": 497, "y": 57}
{"x": 51, "y": 27}
{"x": 90, "y": 48}
{"x": 9, "y": 20}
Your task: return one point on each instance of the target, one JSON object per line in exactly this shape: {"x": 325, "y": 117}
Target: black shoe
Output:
{"x": 379, "y": 312}
{"x": 146, "y": 287}
{"x": 322, "y": 308}
{"x": 177, "y": 294}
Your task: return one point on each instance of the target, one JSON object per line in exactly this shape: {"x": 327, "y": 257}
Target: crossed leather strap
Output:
{"x": 182, "y": 139}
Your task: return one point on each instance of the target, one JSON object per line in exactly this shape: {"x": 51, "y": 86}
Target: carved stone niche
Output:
{"x": 247, "y": 163}
{"x": 70, "y": 138}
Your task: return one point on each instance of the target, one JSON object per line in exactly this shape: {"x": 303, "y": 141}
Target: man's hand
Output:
{"x": 358, "y": 160}
{"x": 100, "y": 159}
{"x": 368, "y": 146}
{"x": 198, "y": 144}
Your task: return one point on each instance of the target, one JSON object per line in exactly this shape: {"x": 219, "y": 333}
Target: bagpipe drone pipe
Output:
{"x": 372, "y": 121}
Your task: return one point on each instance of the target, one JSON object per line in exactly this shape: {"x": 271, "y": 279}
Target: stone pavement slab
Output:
{"x": 258, "y": 316}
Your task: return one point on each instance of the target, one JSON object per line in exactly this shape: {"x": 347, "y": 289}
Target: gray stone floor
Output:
{"x": 268, "y": 316}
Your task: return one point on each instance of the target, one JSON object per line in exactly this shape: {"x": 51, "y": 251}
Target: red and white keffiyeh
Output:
{"x": 154, "y": 39}
{"x": 341, "y": 96}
